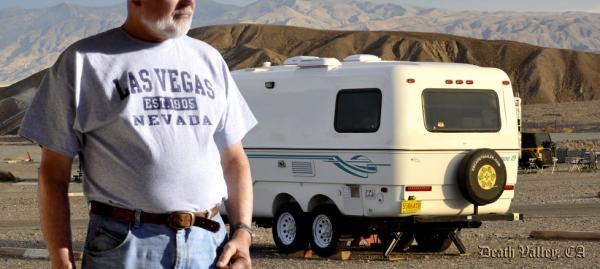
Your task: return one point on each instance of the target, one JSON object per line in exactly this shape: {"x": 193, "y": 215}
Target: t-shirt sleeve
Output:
{"x": 237, "y": 119}
{"x": 49, "y": 120}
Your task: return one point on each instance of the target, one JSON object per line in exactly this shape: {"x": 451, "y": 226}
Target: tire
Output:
{"x": 482, "y": 176}
{"x": 406, "y": 239}
{"x": 326, "y": 231}
{"x": 433, "y": 241}
{"x": 290, "y": 230}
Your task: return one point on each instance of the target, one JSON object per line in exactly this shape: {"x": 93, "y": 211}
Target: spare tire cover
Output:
{"x": 482, "y": 176}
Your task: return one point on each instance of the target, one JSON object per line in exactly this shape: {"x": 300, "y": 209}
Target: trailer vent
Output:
{"x": 354, "y": 191}
{"x": 363, "y": 58}
{"x": 297, "y": 59}
{"x": 319, "y": 62}
{"x": 303, "y": 169}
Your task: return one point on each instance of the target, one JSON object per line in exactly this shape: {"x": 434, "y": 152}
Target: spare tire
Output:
{"x": 482, "y": 176}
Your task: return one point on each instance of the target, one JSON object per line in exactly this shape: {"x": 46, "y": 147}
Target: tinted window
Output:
{"x": 533, "y": 140}
{"x": 528, "y": 140}
{"x": 543, "y": 139}
{"x": 358, "y": 111}
{"x": 461, "y": 111}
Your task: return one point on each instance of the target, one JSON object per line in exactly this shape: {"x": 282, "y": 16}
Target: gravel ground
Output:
{"x": 509, "y": 243}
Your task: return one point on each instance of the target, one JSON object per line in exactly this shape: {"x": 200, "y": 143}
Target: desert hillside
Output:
{"x": 540, "y": 75}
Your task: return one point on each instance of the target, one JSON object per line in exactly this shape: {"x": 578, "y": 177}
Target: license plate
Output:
{"x": 410, "y": 206}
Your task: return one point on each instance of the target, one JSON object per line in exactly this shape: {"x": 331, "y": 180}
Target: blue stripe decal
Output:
{"x": 359, "y": 165}
{"x": 510, "y": 158}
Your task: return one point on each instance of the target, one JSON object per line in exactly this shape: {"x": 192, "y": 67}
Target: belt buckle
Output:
{"x": 181, "y": 220}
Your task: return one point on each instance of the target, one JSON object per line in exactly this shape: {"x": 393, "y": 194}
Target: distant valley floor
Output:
{"x": 576, "y": 117}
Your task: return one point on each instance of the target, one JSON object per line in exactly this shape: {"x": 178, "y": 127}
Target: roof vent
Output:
{"x": 319, "y": 62}
{"x": 297, "y": 59}
{"x": 362, "y": 58}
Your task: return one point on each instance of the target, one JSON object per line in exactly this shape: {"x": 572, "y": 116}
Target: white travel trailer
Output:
{"x": 405, "y": 150}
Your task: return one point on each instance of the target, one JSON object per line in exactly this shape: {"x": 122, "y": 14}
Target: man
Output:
{"x": 156, "y": 120}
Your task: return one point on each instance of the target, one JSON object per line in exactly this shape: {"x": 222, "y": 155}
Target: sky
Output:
{"x": 486, "y": 5}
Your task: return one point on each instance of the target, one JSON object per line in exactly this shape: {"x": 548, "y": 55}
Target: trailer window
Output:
{"x": 461, "y": 111}
{"x": 358, "y": 111}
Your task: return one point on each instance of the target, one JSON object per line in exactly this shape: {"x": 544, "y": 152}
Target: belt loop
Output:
{"x": 138, "y": 218}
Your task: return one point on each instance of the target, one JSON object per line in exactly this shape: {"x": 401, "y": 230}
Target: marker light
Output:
{"x": 509, "y": 187}
{"x": 470, "y": 82}
{"x": 418, "y": 188}
{"x": 410, "y": 80}
{"x": 506, "y": 82}
{"x": 449, "y": 81}
{"x": 459, "y": 82}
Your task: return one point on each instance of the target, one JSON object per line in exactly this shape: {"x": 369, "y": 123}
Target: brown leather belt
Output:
{"x": 176, "y": 220}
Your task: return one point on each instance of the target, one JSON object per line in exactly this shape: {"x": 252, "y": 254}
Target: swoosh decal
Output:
{"x": 359, "y": 165}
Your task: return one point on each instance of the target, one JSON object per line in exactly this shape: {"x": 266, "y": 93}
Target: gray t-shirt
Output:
{"x": 147, "y": 119}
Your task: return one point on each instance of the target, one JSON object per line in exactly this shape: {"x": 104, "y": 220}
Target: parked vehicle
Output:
{"x": 538, "y": 146}
{"x": 363, "y": 146}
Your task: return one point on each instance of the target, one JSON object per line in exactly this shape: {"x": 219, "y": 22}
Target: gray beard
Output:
{"x": 167, "y": 27}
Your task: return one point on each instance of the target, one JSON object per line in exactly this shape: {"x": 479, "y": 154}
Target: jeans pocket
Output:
{"x": 108, "y": 236}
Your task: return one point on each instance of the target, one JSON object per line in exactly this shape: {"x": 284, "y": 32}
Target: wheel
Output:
{"x": 433, "y": 241}
{"x": 482, "y": 176}
{"x": 290, "y": 230}
{"x": 406, "y": 239}
{"x": 326, "y": 231}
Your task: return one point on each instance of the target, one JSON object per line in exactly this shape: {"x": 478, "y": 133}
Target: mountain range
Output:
{"x": 539, "y": 75}
{"x": 31, "y": 39}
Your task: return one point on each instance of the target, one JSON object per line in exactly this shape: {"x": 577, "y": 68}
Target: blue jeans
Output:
{"x": 112, "y": 243}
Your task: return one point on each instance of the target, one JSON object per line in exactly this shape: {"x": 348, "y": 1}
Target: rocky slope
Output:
{"x": 31, "y": 39}
{"x": 14, "y": 101}
{"x": 540, "y": 75}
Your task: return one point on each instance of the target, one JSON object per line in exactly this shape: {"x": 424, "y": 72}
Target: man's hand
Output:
{"x": 236, "y": 253}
